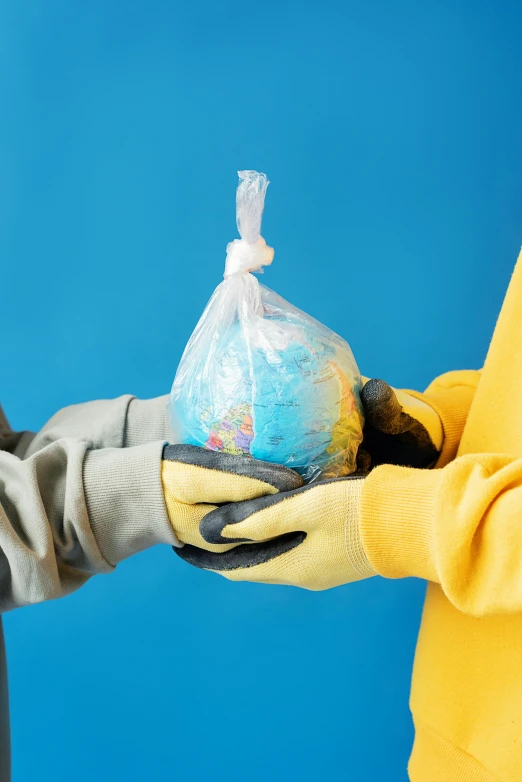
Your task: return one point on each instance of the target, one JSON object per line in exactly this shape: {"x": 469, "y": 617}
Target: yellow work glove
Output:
{"x": 401, "y": 428}
{"x": 195, "y": 481}
{"x": 307, "y": 537}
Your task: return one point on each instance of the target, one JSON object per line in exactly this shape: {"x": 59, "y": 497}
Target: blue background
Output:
{"x": 391, "y": 135}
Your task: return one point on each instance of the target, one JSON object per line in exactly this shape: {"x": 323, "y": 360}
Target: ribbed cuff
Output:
{"x": 125, "y": 501}
{"x": 397, "y": 516}
{"x": 451, "y": 396}
{"x": 147, "y": 421}
{"x": 354, "y": 547}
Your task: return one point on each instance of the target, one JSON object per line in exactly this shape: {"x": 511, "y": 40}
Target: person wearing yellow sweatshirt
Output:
{"x": 458, "y": 526}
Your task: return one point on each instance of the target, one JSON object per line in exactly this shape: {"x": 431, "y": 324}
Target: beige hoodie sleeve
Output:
{"x": 107, "y": 423}
{"x": 86, "y": 495}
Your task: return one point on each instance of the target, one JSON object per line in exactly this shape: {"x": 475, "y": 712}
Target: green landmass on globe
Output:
{"x": 233, "y": 433}
{"x": 234, "y": 430}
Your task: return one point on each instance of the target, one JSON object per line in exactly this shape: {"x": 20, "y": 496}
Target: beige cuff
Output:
{"x": 125, "y": 502}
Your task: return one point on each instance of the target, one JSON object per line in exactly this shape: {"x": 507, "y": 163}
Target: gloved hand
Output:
{"x": 400, "y": 428}
{"x": 308, "y": 537}
{"x": 195, "y": 481}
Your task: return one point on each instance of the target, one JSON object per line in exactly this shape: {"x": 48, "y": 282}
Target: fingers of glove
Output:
{"x": 382, "y": 409}
{"x": 270, "y": 517}
{"x": 242, "y": 556}
{"x": 326, "y": 551}
{"x": 186, "y": 519}
{"x": 394, "y": 412}
{"x": 394, "y": 436}
{"x": 424, "y": 414}
{"x": 271, "y": 562}
{"x": 293, "y": 559}
{"x": 364, "y": 460}
{"x": 411, "y": 449}
{"x": 195, "y": 475}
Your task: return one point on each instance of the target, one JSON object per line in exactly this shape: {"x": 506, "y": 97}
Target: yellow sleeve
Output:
{"x": 451, "y": 395}
{"x": 459, "y": 526}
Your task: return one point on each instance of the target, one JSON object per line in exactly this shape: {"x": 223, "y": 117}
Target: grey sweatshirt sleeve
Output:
{"x": 107, "y": 423}
{"x": 79, "y": 496}
{"x": 69, "y": 511}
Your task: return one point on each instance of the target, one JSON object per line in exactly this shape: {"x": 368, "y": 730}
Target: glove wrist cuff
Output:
{"x": 397, "y": 517}
{"x": 354, "y": 548}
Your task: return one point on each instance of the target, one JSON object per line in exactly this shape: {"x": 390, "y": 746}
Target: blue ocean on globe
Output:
{"x": 281, "y": 389}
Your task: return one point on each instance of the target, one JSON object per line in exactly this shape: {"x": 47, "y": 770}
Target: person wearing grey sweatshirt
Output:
{"x": 97, "y": 484}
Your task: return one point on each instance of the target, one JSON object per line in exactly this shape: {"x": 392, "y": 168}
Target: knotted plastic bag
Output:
{"x": 260, "y": 377}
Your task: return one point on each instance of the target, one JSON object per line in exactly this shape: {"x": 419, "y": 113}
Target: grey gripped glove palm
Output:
{"x": 309, "y": 536}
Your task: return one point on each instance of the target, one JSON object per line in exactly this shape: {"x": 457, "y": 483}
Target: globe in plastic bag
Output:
{"x": 262, "y": 378}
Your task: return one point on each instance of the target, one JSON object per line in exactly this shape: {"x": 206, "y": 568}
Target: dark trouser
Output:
{"x": 5, "y": 742}
{"x": 6, "y": 443}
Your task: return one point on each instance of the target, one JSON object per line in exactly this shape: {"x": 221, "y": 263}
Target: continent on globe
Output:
{"x": 233, "y": 433}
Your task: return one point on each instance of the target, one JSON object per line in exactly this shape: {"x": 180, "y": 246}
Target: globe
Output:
{"x": 281, "y": 388}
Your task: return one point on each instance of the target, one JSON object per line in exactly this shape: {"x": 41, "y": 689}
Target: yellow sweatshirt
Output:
{"x": 460, "y": 527}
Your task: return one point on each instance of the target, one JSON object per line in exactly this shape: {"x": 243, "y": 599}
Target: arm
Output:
{"x": 107, "y": 423}
{"x": 67, "y": 512}
{"x": 458, "y": 526}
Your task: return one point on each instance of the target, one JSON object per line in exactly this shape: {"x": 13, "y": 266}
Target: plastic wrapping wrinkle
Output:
{"x": 262, "y": 378}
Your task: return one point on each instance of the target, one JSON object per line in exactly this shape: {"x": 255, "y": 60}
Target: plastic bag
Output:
{"x": 260, "y": 377}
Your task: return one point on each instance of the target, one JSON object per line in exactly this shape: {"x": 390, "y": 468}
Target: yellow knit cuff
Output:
{"x": 451, "y": 396}
{"x": 397, "y": 516}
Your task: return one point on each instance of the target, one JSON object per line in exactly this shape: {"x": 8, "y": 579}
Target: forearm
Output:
{"x": 106, "y": 423}
{"x": 68, "y": 512}
{"x": 147, "y": 420}
{"x": 458, "y": 526}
